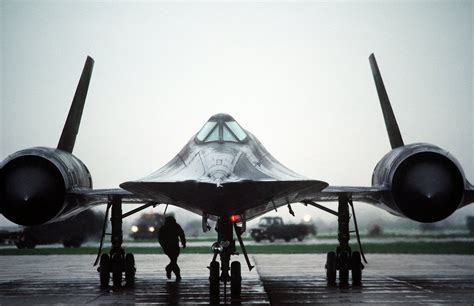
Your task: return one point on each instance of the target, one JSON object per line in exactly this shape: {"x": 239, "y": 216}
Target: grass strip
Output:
{"x": 454, "y": 247}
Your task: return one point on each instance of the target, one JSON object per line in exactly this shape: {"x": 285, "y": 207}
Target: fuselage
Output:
{"x": 223, "y": 170}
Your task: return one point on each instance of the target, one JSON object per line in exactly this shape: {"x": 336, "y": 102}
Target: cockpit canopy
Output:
{"x": 221, "y": 128}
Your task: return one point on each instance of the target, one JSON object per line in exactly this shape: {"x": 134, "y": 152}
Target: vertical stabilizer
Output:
{"x": 388, "y": 115}
{"x": 71, "y": 127}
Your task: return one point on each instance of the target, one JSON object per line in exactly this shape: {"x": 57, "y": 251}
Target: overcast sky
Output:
{"x": 295, "y": 74}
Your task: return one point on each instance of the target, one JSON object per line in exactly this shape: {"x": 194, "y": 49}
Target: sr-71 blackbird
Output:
{"x": 225, "y": 174}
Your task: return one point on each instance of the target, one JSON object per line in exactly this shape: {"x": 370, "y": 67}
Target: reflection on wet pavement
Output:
{"x": 293, "y": 279}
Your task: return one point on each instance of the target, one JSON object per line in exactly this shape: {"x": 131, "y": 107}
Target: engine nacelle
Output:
{"x": 427, "y": 183}
{"x": 34, "y": 183}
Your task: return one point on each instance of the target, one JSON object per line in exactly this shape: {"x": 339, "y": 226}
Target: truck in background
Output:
{"x": 273, "y": 228}
{"x": 72, "y": 232}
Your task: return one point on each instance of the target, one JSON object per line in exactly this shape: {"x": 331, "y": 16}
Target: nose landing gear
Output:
{"x": 225, "y": 248}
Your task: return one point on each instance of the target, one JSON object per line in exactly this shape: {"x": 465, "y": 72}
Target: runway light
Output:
{"x": 134, "y": 228}
{"x": 307, "y": 218}
{"x": 234, "y": 218}
{"x": 151, "y": 229}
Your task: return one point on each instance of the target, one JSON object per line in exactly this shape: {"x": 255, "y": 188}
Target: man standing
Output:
{"x": 169, "y": 236}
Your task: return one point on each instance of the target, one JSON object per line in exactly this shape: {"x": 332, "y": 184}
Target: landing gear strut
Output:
{"x": 225, "y": 248}
{"x": 343, "y": 259}
{"x": 116, "y": 262}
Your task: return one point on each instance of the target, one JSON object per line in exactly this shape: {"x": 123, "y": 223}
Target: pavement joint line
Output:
{"x": 257, "y": 269}
{"x": 409, "y": 284}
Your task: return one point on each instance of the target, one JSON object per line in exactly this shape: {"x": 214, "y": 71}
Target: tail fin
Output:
{"x": 388, "y": 116}
{"x": 71, "y": 127}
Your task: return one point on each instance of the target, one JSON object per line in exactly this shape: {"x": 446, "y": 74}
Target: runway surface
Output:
{"x": 307, "y": 241}
{"x": 277, "y": 279}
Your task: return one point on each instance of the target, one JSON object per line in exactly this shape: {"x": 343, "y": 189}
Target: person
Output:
{"x": 169, "y": 236}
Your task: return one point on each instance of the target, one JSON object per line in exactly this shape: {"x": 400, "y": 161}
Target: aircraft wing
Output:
{"x": 371, "y": 195}
{"x": 468, "y": 195}
{"x": 101, "y": 196}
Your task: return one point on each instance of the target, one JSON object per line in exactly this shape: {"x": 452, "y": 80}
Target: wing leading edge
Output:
{"x": 251, "y": 198}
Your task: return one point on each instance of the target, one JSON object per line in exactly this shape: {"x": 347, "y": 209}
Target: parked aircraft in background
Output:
{"x": 225, "y": 174}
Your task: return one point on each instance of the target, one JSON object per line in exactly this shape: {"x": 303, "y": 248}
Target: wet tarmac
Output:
{"x": 307, "y": 241}
{"x": 277, "y": 279}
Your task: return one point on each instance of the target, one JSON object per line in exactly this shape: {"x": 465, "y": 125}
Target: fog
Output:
{"x": 295, "y": 74}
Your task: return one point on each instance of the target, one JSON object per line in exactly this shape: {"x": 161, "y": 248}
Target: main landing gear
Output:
{"x": 226, "y": 271}
{"x": 117, "y": 263}
{"x": 344, "y": 260}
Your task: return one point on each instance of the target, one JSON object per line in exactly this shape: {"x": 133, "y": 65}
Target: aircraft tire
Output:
{"x": 117, "y": 270}
{"x": 235, "y": 278}
{"x": 344, "y": 268}
{"x": 214, "y": 283}
{"x": 104, "y": 270}
{"x": 356, "y": 269}
{"x": 129, "y": 269}
{"x": 331, "y": 269}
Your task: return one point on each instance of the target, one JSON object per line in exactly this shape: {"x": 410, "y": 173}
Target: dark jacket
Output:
{"x": 169, "y": 236}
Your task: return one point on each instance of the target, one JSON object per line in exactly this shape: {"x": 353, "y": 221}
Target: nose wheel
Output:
{"x": 235, "y": 278}
{"x": 215, "y": 279}
{"x": 226, "y": 272}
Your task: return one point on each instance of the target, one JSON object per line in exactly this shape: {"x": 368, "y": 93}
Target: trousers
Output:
{"x": 173, "y": 265}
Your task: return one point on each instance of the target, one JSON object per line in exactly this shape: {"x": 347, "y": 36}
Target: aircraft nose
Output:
{"x": 219, "y": 176}
{"x": 219, "y": 165}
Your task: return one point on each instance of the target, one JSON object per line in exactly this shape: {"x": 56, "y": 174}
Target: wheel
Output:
{"x": 130, "y": 269}
{"x": 20, "y": 245}
{"x": 300, "y": 237}
{"x": 214, "y": 278}
{"x": 77, "y": 242}
{"x": 73, "y": 242}
{"x": 344, "y": 268}
{"x": 235, "y": 278}
{"x": 117, "y": 270}
{"x": 104, "y": 270}
{"x": 30, "y": 243}
{"x": 287, "y": 239}
{"x": 356, "y": 269}
{"x": 331, "y": 268}
{"x": 271, "y": 238}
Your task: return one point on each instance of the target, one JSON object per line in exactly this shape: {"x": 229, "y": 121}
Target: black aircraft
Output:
{"x": 225, "y": 174}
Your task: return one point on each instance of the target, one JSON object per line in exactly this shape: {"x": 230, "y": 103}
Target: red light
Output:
{"x": 234, "y": 218}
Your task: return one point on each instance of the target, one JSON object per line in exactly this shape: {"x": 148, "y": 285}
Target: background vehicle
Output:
{"x": 147, "y": 226}
{"x": 72, "y": 232}
{"x": 272, "y": 228}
